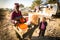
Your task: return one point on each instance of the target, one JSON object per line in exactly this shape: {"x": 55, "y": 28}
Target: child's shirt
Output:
{"x": 42, "y": 25}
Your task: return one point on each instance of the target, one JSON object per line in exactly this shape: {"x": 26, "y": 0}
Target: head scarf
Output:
{"x": 17, "y": 5}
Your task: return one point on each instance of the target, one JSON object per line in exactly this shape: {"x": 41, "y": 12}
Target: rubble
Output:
{"x": 53, "y": 28}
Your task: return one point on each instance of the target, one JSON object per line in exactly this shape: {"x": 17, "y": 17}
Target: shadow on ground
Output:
{"x": 45, "y": 38}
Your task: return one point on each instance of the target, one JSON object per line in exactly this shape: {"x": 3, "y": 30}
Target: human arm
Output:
{"x": 13, "y": 17}
{"x": 40, "y": 25}
{"x": 46, "y": 24}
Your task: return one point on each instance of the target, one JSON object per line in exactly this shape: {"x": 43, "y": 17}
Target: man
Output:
{"x": 33, "y": 24}
{"x": 16, "y": 14}
{"x": 15, "y": 17}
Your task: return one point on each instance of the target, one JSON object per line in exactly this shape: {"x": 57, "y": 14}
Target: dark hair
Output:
{"x": 44, "y": 18}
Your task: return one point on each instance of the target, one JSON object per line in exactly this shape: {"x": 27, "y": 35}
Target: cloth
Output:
{"x": 41, "y": 33}
{"x": 33, "y": 18}
{"x": 23, "y": 26}
{"x": 42, "y": 26}
{"x": 14, "y": 15}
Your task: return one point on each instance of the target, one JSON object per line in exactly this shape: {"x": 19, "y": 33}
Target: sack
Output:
{"x": 23, "y": 26}
{"x": 35, "y": 19}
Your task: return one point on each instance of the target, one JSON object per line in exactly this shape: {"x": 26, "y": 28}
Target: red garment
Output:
{"x": 14, "y": 15}
{"x": 42, "y": 26}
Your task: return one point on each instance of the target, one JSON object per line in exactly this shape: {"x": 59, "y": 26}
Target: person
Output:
{"x": 15, "y": 17}
{"x": 42, "y": 26}
{"x": 16, "y": 14}
{"x": 37, "y": 8}
{"x": 34, "y": 20}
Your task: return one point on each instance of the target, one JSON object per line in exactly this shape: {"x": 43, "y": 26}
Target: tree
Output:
{"x": 36, "y": 3}
{"x": 58, "y": 6}
{"x": 52, "y": 1}
{"x": 21, "y": 5}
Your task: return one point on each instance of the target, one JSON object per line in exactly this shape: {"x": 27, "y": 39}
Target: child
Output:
{"x": 42, "y": 26}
